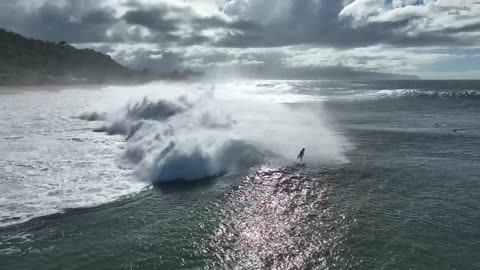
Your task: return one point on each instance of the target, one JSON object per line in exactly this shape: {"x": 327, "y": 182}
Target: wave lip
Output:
{"x": 187, "y": 164}
{"x": 179, "y": 140}
{"x": 160, "y": 110}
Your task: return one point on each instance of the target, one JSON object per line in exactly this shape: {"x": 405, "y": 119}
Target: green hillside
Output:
{"x": 30, "y": 61}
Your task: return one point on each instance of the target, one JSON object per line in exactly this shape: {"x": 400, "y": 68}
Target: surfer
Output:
{"x": 300, "y": 155}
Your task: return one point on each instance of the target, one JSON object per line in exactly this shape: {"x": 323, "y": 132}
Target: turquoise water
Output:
{"x": 407, "y": 198}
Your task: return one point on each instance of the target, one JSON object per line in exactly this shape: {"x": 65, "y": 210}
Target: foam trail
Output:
{"x": 188, "y": 132}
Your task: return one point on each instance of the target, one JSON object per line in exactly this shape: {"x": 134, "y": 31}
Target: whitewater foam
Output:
{"x": 405, "y": 93}
{"x": 207, "y": 130}
{"x": 159, "y": 132}
{"x": 55, "y": 161}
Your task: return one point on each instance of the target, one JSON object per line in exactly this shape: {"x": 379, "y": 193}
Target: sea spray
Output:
{"x": 206, "y": 131}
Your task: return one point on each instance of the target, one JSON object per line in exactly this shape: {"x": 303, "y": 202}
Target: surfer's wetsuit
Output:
{"x": 300, "y": 155}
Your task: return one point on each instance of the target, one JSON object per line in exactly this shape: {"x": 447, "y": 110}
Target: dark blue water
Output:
{"x": 407, "y": 199}
{"x": 413, "y": 184}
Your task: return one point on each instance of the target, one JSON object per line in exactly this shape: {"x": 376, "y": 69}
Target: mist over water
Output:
{"x": 201, "y": 131}
{"x": 130, "y": 137}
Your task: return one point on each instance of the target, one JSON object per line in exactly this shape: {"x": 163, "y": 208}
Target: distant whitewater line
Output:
{"x": 431, "y": 93}
{"x": 414, "y": 93}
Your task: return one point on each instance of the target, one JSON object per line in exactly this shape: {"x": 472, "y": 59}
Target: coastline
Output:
{"x": 5, "y": 90}
{"x": 49, "y": 88}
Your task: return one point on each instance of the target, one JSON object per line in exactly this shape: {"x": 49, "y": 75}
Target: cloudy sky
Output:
{"x": 419, "y": 37}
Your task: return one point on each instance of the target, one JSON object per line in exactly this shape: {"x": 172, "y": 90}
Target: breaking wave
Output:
{"x": 203, "y": 133}
{"x": 467, "y": 94}
{"x": 414, "y": 93}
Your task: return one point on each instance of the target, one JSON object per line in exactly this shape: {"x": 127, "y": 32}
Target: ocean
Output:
{"x": 203, "y": 175}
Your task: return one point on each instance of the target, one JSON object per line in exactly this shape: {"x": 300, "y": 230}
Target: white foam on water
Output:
{"x": 156, "y": 132}
{"x": 56, "y": 162}
{"x": 210, "y": 129}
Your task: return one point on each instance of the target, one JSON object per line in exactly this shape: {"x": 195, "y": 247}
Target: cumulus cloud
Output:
{"x": 76, "y": 21}
{"x": 305, "y": 35}
{"x": 152, "y": 60}
{"x": 349, "y": 24}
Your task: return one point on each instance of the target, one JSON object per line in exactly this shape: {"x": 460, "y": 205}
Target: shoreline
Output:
{"x": 49, "y": 87}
